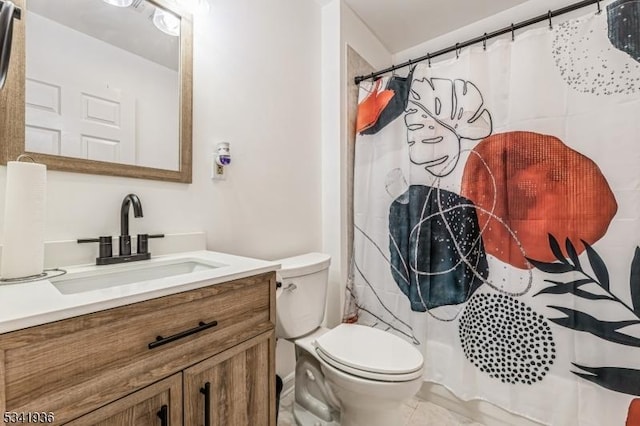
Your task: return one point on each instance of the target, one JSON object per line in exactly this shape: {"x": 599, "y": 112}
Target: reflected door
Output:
{"x": 74, "y": 119}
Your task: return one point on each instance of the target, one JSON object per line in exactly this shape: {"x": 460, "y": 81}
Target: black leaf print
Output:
{"x": 555, "y": 249}
{"x": 634, "y": 281}
{"x": 573, "y": 255}
{"x": 624, "y": 380}
{"x": 604, "y": 329}
{"x": 552, "y": 268}
{"x": 598, "y": 266}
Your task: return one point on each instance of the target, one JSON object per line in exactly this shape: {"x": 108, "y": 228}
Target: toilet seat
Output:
{"x": 370, "y": 353}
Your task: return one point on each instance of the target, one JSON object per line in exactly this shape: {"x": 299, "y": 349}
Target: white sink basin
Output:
{"x": 91, "y": 288}
{"x": 130, "y": 273}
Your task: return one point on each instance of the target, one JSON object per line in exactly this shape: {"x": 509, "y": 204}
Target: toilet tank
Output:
{"x": 302, "y": 296}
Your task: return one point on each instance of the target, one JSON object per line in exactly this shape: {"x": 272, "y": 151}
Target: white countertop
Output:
{"x": 39, "y": 302}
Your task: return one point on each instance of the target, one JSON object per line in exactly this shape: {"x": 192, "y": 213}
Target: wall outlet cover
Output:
{"x": 217, "y": 172}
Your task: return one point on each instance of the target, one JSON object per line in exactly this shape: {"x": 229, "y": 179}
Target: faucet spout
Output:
{"x": 129, "y": 200}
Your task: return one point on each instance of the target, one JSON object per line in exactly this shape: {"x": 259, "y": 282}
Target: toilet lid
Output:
{"x": 361, "y": 350}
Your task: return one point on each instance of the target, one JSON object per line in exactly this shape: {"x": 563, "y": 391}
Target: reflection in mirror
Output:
{"x": 103, "y": 81}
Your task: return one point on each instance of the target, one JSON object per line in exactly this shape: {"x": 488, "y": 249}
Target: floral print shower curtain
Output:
{"x": 497, "y": 219}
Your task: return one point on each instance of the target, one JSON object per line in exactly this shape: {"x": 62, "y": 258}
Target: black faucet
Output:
{"x": 125, "y": 238}
{"x": 106, "y": 254}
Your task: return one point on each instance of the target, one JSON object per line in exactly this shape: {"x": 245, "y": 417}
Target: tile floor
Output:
{"x": 415, "y": 413}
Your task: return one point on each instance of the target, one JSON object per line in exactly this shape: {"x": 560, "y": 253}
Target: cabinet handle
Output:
{"x": 206, "y": 391}
{"x": 164, "y": 420}
{"x": 164, "y": 340}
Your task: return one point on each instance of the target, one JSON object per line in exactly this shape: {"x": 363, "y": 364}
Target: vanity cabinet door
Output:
{"x": 159, "y": 404}
{"x": 234, "y": 388}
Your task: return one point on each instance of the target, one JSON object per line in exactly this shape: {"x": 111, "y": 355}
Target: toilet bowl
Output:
{"x": 351, "y": 375}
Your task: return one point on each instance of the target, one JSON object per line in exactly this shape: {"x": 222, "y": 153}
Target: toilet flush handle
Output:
{"x": 291, "y": 287}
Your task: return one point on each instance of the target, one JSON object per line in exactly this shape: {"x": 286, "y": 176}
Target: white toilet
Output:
{"x": 350, "y": 375}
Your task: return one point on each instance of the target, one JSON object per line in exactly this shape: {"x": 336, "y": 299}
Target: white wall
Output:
{"x": 503, "y": 19}
{"x": 97, "y": 64}
{"x": 341, "y": 27}
{"x": 256, "y": 74}
{"x": 261, "y": 92}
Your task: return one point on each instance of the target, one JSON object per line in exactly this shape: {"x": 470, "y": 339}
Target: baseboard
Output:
{"x": 477, "y": 410}
{"x": 287, "y": 384}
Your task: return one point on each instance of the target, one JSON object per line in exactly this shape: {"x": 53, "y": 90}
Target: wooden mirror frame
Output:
{"x": 12, "y": 112}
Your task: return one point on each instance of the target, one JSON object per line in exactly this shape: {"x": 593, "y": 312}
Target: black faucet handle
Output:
{"x": 105, "y": 247}
{"x": 125, "y": 245}
{"x": 143, "y": 241}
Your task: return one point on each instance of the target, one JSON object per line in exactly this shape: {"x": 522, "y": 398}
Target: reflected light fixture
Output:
{"x": 194, "y": 6}
{"x": 166, "y": 22}
{"x": 201, "y": 6}
{"x": 119, "y": 3}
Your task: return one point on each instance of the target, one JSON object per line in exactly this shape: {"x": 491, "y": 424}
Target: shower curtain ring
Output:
{"x": 599, "y": 10}
{"x": 371, "y": 77}
{"x": 513, "y": 33}
{"x": 484, "y": 42}
{"x": 457, "y": 52}
{"x": 429, "y": 59}
{"x": 549, "y": 15}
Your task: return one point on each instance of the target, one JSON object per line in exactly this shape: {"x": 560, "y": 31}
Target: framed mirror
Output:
{"x": 101, "y": 87}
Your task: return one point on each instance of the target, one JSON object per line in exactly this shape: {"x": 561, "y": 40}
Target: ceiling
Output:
{"x": 401, "y": 24}
{"x": 129, "y": 28}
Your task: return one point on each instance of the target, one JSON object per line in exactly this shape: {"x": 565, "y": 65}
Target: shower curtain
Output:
{"x": 497, "y": 219}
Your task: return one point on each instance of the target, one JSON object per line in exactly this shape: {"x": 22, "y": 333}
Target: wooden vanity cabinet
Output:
{"x": 231, "y": 388}
{"x": 157, "y": 405}
{"x": 121, "y": 366}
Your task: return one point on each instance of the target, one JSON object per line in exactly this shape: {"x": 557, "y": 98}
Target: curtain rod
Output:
{"x": 486, "y": 36}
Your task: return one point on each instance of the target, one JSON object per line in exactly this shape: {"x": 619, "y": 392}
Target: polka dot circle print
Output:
{"x": 506, "y": 339}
